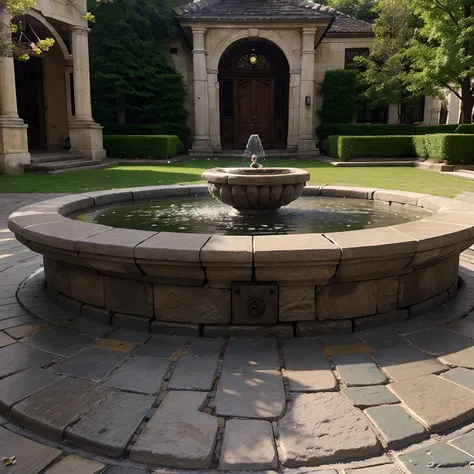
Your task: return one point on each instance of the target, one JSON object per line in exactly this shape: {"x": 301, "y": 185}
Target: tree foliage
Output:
{"x": 132, "y": 76}
{"x": 384, "y": 72}
{"x": 361, "y": 9}
{"x": 442, "y": 52}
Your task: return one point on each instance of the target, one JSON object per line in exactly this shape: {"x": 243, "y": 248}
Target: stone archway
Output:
{"x": 254, "y": 94}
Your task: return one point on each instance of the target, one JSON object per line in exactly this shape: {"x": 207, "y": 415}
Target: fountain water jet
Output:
{"x": 256, "y": 189}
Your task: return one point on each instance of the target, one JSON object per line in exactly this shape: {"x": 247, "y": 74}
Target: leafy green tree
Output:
{"x": 384, "y": 72}
{"x": 133, "y": 79}
{"x": 361, "y": 9}
{"x": 442, "y": 52}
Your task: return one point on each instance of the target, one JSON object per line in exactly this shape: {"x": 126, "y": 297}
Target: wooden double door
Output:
{"x": 254, "y": 105}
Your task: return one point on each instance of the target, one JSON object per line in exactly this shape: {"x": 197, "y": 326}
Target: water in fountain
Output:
{"x": 254, "y": 151}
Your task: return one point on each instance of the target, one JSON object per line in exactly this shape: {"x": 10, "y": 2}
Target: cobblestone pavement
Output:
{"x": 82, "y": 397}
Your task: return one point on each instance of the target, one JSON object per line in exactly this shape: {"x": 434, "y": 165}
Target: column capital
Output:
{"x": 309, "y": 30}
{"x": 81, "y": 30}
{"x": 199, "y": 30}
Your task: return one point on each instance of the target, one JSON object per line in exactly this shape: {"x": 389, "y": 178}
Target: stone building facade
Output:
{"x": 292, "y": 43}
{"x": 45, "y": 102}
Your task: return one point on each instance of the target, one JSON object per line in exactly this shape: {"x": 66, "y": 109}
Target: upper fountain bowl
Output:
{"x": 256, "y": 189}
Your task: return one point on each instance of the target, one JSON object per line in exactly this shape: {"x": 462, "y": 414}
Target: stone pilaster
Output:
{"x": 85, "y": 134}
{"x": 202, "y": 140}
{"x": 214, "y": 110}
{"x": 306, "y": 141}
{"x": 13, "y": 132}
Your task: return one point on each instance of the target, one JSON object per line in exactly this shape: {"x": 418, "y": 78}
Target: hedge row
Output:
{"x": 450, "y": 148}
{"x": 370, "y": 130}
{"x": 148, "y": 129}
{"x": 142, "y": 146}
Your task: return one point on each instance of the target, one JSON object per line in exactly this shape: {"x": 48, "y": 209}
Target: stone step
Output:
{"x": 61, "y": 165}
{"x": 465, "y": 174}
{"x": 361, "y": 164}
{"x": 466, "y": 197}
{"x": 53, "y": 157}
{"x": 398, "y": 159}
{"x": 81, "y": 168}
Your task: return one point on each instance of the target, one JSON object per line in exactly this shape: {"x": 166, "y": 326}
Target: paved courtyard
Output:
{"x": 82, "y": 397}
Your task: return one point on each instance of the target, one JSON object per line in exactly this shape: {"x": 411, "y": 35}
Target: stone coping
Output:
{"x": 45, "y": 228}
{"x": 256, "y": 177}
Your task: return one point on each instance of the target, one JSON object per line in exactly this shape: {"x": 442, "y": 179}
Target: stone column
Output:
{"x": 454, "y": 109}
{"x": 294, "y": 109}
{"x": 13, "y": 132}
{"x": 214, "y": 109}
{"x": 306, "y": 141}
{"x": 85, "y": 134}
{"x": 202, "y": 140}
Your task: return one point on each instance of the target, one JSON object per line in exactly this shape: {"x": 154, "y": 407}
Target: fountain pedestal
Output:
{"x": 254, "y": 190}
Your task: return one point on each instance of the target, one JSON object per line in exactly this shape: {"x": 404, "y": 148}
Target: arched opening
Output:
{"x": 254, "y": 82}
{"x": 40, "y": 82}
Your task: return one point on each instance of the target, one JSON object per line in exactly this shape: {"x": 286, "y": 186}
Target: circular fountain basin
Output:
{"x": 254, "y": 190}
{"x": 219, "y": 285}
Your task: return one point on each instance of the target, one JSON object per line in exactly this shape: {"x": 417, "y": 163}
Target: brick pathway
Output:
{"x": 84, "y": 397}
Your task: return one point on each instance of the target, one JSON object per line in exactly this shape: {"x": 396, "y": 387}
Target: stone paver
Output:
{"x": 53, "y": 408}
{"x": 206, "y": 346}
{"x": 323, "y": 428}
{"x": 194, "y": 373}
{"x": 462, "y": 326}
{"x": 90, "y": 328}
{"x": 122, "y": 470}
{"x": 90, "y": 364}
{"x": 461, "y": 376}
{"x": 307, "y": 369}
{"x": 462, "y": 358}
{"x": 31, "y": 457}
{"x": 359, "y": 371}
{"x": 18, "y": 357}
{"x": 161, "y": 347}
{"x": 178, "y": 435}
{"x": 438, "y": 458}
{"x": 129, "y": 335}
{"x": 365, "y": 397}
{"x": 440, "y": 404}
{"x": 108, "y": 428}
{"x": 139, "y": 374}
{"x": 248, "y": 445}
{"x": 465, "y": 442}
{"x": 21, "y": 385}
{"x": 6, "y": 340}
{"x": 397, "y": 427}
{"x": 60, "y": 341}
{"x": 439, "y": 341}
{"x": 252, "y": 352}
{"x": 76, "y": 465}
{"x": 406, "y": 362}
{"x": 382, "y": 469}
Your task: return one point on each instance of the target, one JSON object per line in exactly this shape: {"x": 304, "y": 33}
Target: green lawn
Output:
{"x": 408, "y": 179}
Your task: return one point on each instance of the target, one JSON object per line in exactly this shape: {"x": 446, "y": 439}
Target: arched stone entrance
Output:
{"x": 254, "y": 77}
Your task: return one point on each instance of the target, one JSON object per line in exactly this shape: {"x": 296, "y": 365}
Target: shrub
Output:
{"x": 143, "y": 146}
{"x": 340, "y": 96}
{"x": 465, "y": 129}
{"x": 364, "y": 129}
{"x": 148, "y": 129}
{"x": 374, "y": 147}
{"x": 453, "y": 148}
{"x": 333, "y": 146}
{"x": 435, "y": 129}
{"x": 420, "y": 145}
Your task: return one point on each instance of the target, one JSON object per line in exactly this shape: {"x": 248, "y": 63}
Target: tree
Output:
{"x": 361, "y": 9}
{"x": 133, "y": 79}
{"x": 384, "y": 72}
{"x": 442, "y": 53}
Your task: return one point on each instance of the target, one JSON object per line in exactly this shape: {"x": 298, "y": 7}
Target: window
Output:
{"x": 413, "y": 111}
{"x": 173, "y": 50}
{"x": 351, "y": 53}
{"x": 367, "y": 114}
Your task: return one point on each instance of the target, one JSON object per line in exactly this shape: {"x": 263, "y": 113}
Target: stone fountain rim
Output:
{"x": 226, "y": 176}
{"x": 46, "y": 228}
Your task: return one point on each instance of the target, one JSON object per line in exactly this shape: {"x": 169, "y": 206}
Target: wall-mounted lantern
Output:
{"x": 307, "y": 100}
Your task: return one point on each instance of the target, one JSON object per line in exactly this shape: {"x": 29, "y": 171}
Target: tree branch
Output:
{"x": 454, "y": 91}
{"x": 446, "y": 10}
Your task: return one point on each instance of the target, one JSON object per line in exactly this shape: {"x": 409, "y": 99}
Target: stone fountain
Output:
{"x": 256, "y": 189}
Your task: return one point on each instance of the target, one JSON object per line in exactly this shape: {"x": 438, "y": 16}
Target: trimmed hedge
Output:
{"x": 465, "y": 129}
{"x": 452, "y": 148}
{"x": 340, "y": 96}
{"x": 364, "y": 129}
{"x": 434, "y": 129}
{"x": 142, "y": 146}
{"x": 148, "y": 129}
